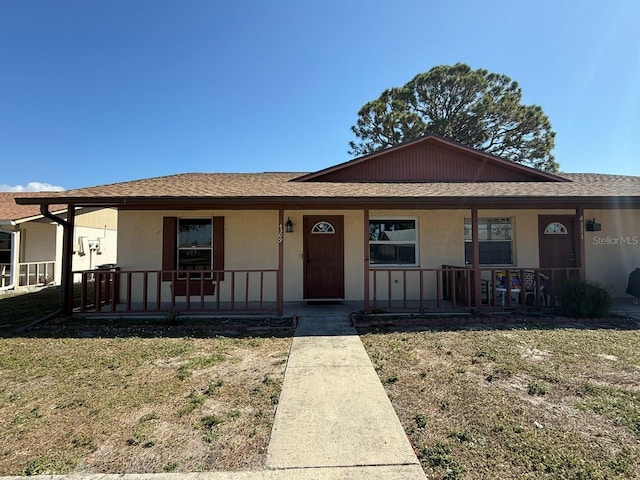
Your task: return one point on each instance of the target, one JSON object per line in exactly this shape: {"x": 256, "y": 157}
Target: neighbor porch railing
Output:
{"x": 170, "y": 291}
{"x": 454, "y": 287}
{"x": 5, "y": 275}
{"x": 36, "y": 274}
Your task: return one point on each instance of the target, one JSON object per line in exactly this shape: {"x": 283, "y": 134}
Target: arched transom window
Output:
{"x": 555, "y": 228}
{"x": 323, "y": 227}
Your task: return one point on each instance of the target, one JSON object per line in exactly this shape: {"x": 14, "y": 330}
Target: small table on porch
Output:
{"x": 503, "y": 293}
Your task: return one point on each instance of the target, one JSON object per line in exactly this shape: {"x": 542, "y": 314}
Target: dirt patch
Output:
{"x": 613, "y": 358}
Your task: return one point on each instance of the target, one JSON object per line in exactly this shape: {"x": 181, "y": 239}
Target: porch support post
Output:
{"x": 280, "y": 279}
{"x": 365, "y": 282}
{"x": 67, "y": 261}
{"x": 66, "y": 281}
{"x": 581, "y": 250}
{"x": 477, "y": 301}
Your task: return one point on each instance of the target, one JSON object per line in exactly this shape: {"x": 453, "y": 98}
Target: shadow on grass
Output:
{"x": 212, "y": 327}
{"x": 17, "y": 310}
{"x": 516, "y": 321}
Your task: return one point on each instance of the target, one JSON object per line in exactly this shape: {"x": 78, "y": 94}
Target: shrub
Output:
{"x": 584, "y": 299}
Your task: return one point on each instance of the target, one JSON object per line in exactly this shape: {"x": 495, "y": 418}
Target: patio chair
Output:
{"x": 530, "y": 287}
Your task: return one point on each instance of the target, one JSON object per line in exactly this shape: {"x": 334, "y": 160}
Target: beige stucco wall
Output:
{"x": 85, "y": 258}
{"x": 251, "y": 242}
{"x": 353, "y": 253}
{"x": 441, "y": 240}
{"x": 614, "y": 252}
{"x": 525, "y": 232}
{"x": 37, "y": 242}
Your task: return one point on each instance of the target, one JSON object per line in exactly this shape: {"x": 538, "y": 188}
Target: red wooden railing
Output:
{"x": 452, "y": 287}
{"x": 156, "y": 291}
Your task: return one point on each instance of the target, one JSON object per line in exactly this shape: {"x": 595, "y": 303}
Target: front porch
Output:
{"x": 449, "y": 289}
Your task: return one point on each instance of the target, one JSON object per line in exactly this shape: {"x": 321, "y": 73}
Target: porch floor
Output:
{"x": 622, "y": 306}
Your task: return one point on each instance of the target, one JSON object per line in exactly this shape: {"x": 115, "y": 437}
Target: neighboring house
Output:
{"x": 426, "y": 224}
{"x": 31, "y": 245}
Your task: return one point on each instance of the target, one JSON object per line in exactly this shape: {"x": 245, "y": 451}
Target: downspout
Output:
{"x": 66, "y": 282}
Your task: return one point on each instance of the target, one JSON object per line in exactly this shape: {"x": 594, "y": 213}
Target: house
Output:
{"x": 31, "y": 244}
{"x": 426, "y": 224}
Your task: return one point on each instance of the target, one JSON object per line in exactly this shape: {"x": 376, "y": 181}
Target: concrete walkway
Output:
{"x": 333, "y": 411}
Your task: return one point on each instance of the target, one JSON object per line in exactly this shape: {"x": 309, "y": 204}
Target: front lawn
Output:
{"x": 516, "y": 402}
{"x": 124, "y": 403}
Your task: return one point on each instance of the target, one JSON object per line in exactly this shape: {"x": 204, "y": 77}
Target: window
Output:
{"x": 495, "y": 236}
{"x": 323, "y": 227}
{"x": 5, "y": 248}
{"x": 393, "y": 242}
{"x": 192, "y": 244}
{"x": 5, "y": 258}
{"x": 555, "y": 228}
{"x": 195, "y": 245}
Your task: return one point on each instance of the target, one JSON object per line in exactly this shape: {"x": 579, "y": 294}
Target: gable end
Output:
{"x": 430, "y": 160}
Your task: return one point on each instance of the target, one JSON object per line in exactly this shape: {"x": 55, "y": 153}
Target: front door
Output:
{"x": 557, "y": 241}
{"x": 323, "y": 257}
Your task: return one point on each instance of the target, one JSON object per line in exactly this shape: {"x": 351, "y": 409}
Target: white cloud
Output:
{"x": 32, "y": 187}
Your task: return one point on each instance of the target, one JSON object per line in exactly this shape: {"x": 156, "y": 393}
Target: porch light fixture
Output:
{"x": 592, "y": 226}
{"x": 288, "y": 227}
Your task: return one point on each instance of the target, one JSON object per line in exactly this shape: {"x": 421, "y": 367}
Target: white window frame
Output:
{"x": 512, "y": 241}
{"x": 182, "y": 276}
{"x": 9, "y": 273}
{"x": 415, "y": 242}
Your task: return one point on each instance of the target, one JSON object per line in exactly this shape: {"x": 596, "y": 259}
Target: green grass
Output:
{"x": 117, "y": 405}
{"x": 516, "y": 403}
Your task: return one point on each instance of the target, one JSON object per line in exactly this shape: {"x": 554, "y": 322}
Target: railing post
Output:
{"x": 145, "y": 292}
{"x": 83, "y": 292}
{"x": 116, "y": 284}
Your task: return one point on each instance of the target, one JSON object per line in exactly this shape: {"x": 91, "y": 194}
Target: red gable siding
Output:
{"x": 418, "y": 164}
{"x": 430, "y": 159}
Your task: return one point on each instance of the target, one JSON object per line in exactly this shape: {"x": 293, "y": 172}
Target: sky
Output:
{"x": 99, "y": 92}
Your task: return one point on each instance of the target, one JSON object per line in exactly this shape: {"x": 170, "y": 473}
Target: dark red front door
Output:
{"x": 323, "y": 257}
{"x": 557, "y": 241}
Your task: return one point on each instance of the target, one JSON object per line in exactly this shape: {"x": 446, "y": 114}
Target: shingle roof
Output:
{"x": 273, "y": 186}
{"x": 10, "y": 210}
